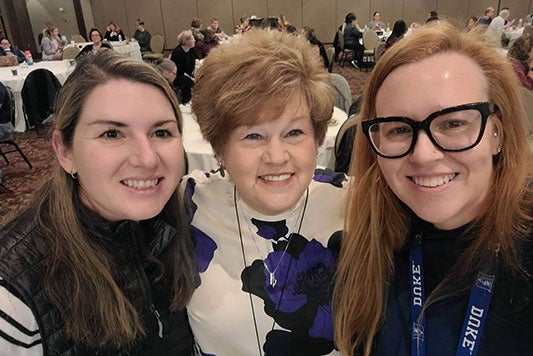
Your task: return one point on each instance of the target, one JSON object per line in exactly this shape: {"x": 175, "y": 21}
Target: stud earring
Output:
{"x": 499, "y": 149}
{"x": 74, "y": 175}
{"x": 495, "y": 134}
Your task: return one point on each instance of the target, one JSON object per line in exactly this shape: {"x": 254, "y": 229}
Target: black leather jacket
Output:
{"x": 23, "y": 261}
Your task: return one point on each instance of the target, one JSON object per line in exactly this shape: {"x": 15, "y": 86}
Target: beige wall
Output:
{"x": 169, "y": 17}
{"x": 59, "y": 12}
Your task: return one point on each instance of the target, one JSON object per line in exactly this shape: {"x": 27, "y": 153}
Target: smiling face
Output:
{"x": 273, "y": 162}
{"x": 96, "y": 38}
{"x": 444, "y": 188}
{"x": 126, "y": 149}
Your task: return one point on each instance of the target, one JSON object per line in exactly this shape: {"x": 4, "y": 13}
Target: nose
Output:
{"x": 143, "y": 153}
{"x": 425, "y": 151}
{"x": 275, "y": 152}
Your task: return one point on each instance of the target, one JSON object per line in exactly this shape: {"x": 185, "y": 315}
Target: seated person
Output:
{"x": 209, "y": 42}
{"x": 52, "y": 44}
{"x": 219, "y": 32}
{"x": 352, "y": 35}
{"x": 398, "y": 31}
{"x": 168, "y": 69}
{"x": 309, "y": 34}
{"x": 114, "y": 33}
{"x": 196, "y": 29}
{"x": 6, "y": 49}
{"x": 96, "y": 38}
{"x": 521, "y": 57}
{"x": 142, "y": 36}
{"x": 243, "y": 26}
{"x": 376, "y": 24}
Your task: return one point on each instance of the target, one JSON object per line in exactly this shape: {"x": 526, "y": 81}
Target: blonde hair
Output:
{"x": 79, "y": 280}
{"x": 242, "y": 77}
{"x": 184, "y": 36}
{"x": 377, "y": 222}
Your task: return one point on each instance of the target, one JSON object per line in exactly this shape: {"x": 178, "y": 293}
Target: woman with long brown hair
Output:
{"x": 435, "y": 256}
{"x": 101, "y": 262}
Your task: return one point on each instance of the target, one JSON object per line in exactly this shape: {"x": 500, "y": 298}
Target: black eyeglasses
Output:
{"x": 454, "y": 129}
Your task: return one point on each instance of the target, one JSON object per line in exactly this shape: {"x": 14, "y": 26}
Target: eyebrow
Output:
{"x": 123, "y": 124}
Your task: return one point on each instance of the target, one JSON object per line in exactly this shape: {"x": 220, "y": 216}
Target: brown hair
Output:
{"x": 79, "y": 280}
{"x": 196, "y": 22}
{"x": 259, "y": 69}
{"x": 377, "y": 222}
{"x": 520, "y": 49}
{"x": 49, "y": 31}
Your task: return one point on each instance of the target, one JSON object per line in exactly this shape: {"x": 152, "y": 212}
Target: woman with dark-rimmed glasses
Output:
{"x": 435, "y": 256}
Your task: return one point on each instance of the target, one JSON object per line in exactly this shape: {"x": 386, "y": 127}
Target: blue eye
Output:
{"x": 252, "y": 136}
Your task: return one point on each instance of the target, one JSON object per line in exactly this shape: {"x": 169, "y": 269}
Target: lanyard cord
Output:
{"x": 244, "y": 261}
{"x": 476, "y": 313}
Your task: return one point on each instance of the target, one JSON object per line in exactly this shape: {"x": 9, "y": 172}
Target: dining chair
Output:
{"x": 70, "y": 53}
{"x": 78, "y": 38}
{"x": 157, "y": 44}
{"x": 330, "y": 53}
{"x": 344, "y": 144}
{"x": 343, "y": 94}
{"x": 344, "y": 51}
{"x": 379, "y": 51}
{"x": 370, "y": 42}
{"x": 39, "y": 94}
{"x": 10, "y": 140}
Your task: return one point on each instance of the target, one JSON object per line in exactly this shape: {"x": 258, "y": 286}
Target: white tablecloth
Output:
{"x": 200, "y": 153}
{"x": 131, "y": 49}
{"x": 61, "y": 70}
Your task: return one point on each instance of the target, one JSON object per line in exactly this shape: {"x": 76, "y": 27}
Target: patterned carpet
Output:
{"x": 20, "y": 182}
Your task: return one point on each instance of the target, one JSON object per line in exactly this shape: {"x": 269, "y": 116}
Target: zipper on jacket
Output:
{"x": 159, "y": 323}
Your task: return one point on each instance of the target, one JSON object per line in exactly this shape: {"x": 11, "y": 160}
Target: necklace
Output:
{"x": 272, "y": 274}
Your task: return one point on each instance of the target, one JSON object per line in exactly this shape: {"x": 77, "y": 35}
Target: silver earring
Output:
{"x": 74, "y": 175}
{"x": 495, "y": 134}
{"x": 500, "y": 149}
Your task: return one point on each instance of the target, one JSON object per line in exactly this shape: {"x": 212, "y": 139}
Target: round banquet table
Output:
{"x": 200, "y": 153}
{"x": 61, "y": 70}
